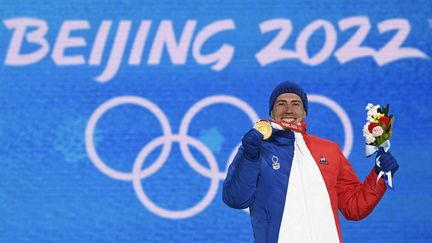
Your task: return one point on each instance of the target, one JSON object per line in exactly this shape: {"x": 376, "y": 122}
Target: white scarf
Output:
{"x": 307, "y": 215}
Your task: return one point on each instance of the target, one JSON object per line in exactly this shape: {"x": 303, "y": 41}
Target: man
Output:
{"x": 293, "y": 182}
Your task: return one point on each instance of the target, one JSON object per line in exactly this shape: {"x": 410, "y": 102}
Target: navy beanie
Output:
{"x": 288, "y": 87}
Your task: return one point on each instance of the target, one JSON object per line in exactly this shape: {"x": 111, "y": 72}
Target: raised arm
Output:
{"x": 240, "y": 184}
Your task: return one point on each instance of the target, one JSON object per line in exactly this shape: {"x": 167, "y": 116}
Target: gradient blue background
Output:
{"x": 50, "y": 191}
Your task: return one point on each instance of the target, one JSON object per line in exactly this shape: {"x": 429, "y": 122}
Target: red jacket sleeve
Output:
{"x": 355, "y": 199}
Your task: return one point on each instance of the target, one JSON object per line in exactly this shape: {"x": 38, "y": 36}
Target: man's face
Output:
{"x": 288, "y": 107}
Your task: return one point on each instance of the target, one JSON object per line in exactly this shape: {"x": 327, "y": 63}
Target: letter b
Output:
{"x": 14, "y": 55}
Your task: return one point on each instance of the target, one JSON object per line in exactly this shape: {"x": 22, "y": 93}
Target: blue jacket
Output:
{"x": 255, "y": 184}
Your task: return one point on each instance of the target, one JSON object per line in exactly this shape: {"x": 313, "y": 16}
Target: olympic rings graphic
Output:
{"x": 193, "y": 111}
{"x": 176, "y": 214}
{"x": 91, "y": 150}
{"x": 184, "y": 140}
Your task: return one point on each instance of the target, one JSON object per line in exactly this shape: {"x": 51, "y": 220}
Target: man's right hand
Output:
{"x": 251, "y": 144}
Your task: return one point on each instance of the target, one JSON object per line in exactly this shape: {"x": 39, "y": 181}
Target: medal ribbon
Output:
{"x": 301, "y": 128}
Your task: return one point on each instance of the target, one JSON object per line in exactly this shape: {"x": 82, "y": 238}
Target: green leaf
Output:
{"x": 391, "y": 122}
{"x": 386, "y": 109}
{"x": 379, "y": 140}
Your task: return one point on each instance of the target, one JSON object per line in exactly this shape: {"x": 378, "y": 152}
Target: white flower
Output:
{"x": 372, "y": 116}
{"x": 365, "y": 128}
{"x": 370, "y": 139}
{"x": 375, "y": 109}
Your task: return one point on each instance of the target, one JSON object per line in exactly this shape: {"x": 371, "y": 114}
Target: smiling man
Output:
{"x": 288, "y": 107}
{"x": 293, "y": 182}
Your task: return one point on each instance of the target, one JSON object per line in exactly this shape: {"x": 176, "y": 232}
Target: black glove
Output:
{"x": 251, "y": 144}
{"x": 385, "y": 162}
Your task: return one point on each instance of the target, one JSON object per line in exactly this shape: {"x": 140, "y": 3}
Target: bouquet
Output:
{"x": 377, "y": 129}
{"x": 377, "y": 132}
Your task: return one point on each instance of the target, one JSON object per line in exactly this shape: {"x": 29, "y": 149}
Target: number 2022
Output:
{"x": 349, "y": 51}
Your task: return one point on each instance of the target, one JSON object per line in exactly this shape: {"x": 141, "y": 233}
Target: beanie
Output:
{"x": 288, "y": 87}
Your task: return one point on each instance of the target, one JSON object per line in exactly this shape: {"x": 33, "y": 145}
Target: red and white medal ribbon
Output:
{"x": 300, "y": 127}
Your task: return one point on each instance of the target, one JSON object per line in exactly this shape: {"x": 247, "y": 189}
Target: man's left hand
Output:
{"x": 385, "y": 162}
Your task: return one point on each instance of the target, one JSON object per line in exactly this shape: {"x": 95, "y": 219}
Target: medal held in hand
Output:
{"x": 377, "y": 132}
{"x": 264, "y": 128}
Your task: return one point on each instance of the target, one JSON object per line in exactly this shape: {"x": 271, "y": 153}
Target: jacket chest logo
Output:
{"x": 323, "y": 160}
{"x": 275, "y": 163}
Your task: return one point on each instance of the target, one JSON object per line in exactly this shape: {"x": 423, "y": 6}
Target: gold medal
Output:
{"x": 264, "y": 128}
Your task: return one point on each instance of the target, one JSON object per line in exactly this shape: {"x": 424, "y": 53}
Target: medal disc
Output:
{"x": 264, "y": 128}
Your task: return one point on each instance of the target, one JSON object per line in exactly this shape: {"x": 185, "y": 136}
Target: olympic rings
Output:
{"x": 193, "y": 111}
{"x": 184, "y": 140}
{"x": 89, "y": 133}
{"x": 176, "y": 214}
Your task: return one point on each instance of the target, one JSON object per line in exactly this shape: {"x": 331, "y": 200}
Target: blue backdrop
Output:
{"x": 118, "y": 118}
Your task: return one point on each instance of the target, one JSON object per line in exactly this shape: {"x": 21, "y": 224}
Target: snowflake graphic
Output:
{"x": 213, "y": 138}
{"x": 69, "y": 141}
